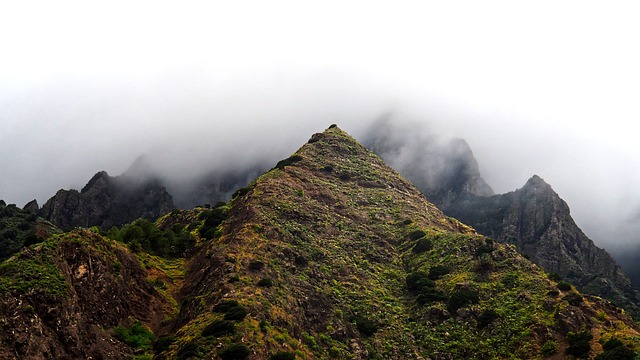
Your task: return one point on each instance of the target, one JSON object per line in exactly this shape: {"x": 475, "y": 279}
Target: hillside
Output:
{"x": 538, "y": 222}
{"x": 331, "y": 254}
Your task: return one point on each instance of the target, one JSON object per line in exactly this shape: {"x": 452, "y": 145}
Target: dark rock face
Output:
{"x": 107, "y": 201}
{"x": 31, "y": 206}
{"x": 538, "y": 222}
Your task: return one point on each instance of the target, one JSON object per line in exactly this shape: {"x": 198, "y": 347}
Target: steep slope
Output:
{"x": 538, "y": 222}
{"x": 61, "y": 298}
{"x": 107, "y": 201}
{"x": 20, "y": 228}
{"x": 332, "y": 254}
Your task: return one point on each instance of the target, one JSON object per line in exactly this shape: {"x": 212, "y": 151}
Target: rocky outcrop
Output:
{"x": 107, "y": 201}
{"x": 31, "y": 206}
{"x": 539, "y": 223}
{"x": 86, "y": 285}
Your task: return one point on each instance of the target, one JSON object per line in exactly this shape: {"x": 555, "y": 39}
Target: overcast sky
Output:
{"x": 547, "y": 87}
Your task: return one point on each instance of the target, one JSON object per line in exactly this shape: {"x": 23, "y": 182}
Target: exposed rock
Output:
{"x": 107, "y": 201}
{"x": 31, "y": 206}
{"x": 539, "y": 223}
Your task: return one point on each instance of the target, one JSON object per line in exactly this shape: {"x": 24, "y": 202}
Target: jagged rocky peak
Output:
{"x": 443, "y": 171}
{"x": 107, "y": 201}
{"x": 31, "y": 206}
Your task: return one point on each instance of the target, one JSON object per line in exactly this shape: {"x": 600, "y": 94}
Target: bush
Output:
{"x": 422, "y": 245}
{"x": 579, "y": 343}
{"x": 212, "y": 219}
{"x": 564, "y": 286}
{"x": 366, "y": 326}
{"x": 485, "y": 248}
{"x": 236, "y": 313}
{"x": 437, "y": 272}
{"x": 265, "y": 282}
{"x": 614, "y": 349}
{"x": 419, "y": 283}
{"x": 549, "y": 348}
{"x": 573, "y": 298}
{"x": 225, "y": 305}
{"x": 288, "y": 161}
{"x": 486, "y": 318}
{"x": 188, "y": 351}
{"x": 283, "y": 355}
{"x": 235, "y": 352}
{"x": 137, "y": 336}
{"x": 163, "y": 343}
{"x": 462, "y": 298}
{"x": 219, "y": 328}
{"x": 416, "y": 234}
{"x": 555, "y": 277}
{"x": 256, "y": 265}
{"x": 143, "y": 235}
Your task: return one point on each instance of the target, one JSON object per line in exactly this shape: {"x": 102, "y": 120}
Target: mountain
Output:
{"x": 534, "y": 219}
{"x": 538, "y": 222}
{"x": 107, "y": 201}
{"x": 330, "y": 254}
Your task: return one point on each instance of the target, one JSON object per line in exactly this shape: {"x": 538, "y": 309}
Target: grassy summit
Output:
{"x": 332, "y": 254}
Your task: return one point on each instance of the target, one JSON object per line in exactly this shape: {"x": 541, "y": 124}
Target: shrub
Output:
{"x": 573, "y": 298}
{"x": 462, "y": 298}
{"x": 256, "y": 265}
{"x": 366, "y": 326}
{"x": 327, "y": 168}
{"x": 235, "y": 352}
{"x": 241, "y": 192}
{"x": 137, "y": 336}
{"x": 418, "y": 282}
{"x": 555, "y": 277}
{"x": 416, "y": 234}
{"x": 485, "y": 264}
{"x": 265, "y": 282}
{"x": 422, "y": 245}
{"x": 612, "y": 344}
{"x": 225, "y": 306}
{"x": 486, "y": 318}
{"x": 437, "y": 272}
{"x": 219, "y": 328}
{"x": 485, "y": 248}
{"x": 618, "y": 353}
{"x": 579, "y": 343}
{"x": 163, "y": 343}
{"x": 549, "y": 348}
{"x": 188, "y": 351}
{"x": 288, "y": 161}
{"x": 283, "y": 355}
{"x": 235, "y": 313}
{"x": 564, "y": 286}
{"x": 212, "y": 219}
{"x": 553, "y": 293}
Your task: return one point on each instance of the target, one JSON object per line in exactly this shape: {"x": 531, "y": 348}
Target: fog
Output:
{"x": 545, "y": 88}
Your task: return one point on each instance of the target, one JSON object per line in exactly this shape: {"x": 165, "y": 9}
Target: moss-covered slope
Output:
{"x": 332, "y": 254}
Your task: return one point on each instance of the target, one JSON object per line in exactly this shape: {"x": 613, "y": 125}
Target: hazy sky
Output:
{"x": 547, "y": 88}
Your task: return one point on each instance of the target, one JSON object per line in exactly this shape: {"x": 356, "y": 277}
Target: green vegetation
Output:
{"x": 231, "y": 310}
{"x": 137, "y": 336}
{"x": 33, "y": 272}
{"x": 219, "y": 328}
{"x": 19, "y": 228}
{"x": 235, "y": 352}
{"x": 143, "y": 235}
{"x": 564, "y": 286}
{"x": 579, "y": 344}
{"x": 212, "y": 219}
{"x": 549, "y": 348}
